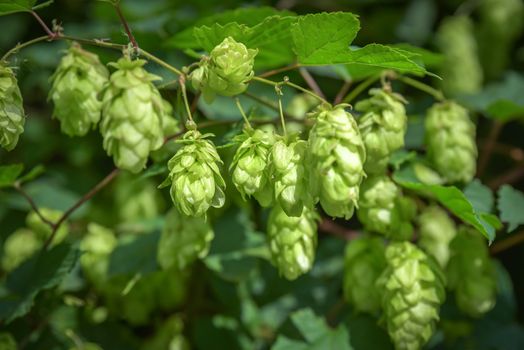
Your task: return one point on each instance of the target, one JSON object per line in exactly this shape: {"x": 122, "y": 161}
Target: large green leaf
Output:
{"x": 134, "y": 255}
{"x": 451, "y": 198}
{"x": 510, "y": 204}
{"x": 9, "y": 174}
{"x": 480, "y": 196}
{"x": 45, "y": 270}
{"x": 14, "y": 6}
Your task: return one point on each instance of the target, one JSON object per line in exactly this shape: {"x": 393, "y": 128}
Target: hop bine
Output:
{"x": 250, "y": 165}
{"x": 227, "y": 71}
{"x": 76, "y": 85}
{"x": 292, "y": 241}
{"x": 450, "y": 141}
{"x": 12, "y": 117}
{"x": 194, "y": 174}
{"x": 412, "y": 291}
{"x": 336, "y": 156}
{"x": 437, "y": 230}
{"x": 132, "y": 114}
{"x": 382, "y": 126}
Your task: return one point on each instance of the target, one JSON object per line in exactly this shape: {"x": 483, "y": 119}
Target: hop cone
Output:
{"x": 292, "y": 241}
{"x": 382, "y": 127}
{"x": 291, "y": 176}
{"x": 18, "y": 247}
{"x": 382, "y": 208}
{"x": 471, "y": 273}
{"x": 184, "y": 239}
{"x": 412, "y": 291}
{"x": 461, "y": 69}
{"x": 96, "y": 247}
{"x": 436, "y": 232}
{"x": 42, "y": 229}
{"x": 364, "y": 262}
{"x": 75, "y": 87}
{"x": 7, "y": 341}
{"x": 299, "y": 106}
{"x": 337, "y": 155}
{"x": 226, "y": 72}
{"x": 12, "y": 116}
{"x": 196, "y": 183}
{"x": 132, "y": 113}
{"x": 250, "y": 165}
{"x": 168, "y": 336}
{"x": 450, "y": 141}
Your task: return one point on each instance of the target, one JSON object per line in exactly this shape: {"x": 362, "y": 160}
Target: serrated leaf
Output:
{"x": 310, "y": 326}
{"x": 14, "y": 6}
{"x": 510, "y": 205}
{"x": 480, "y": 196}
{"x": 451, "y": 198}
{"x": 135, "y": 256}
{"x": 32, "y": 174}
{"x": 45, "y": 270}
{"x": 9, "y": 174}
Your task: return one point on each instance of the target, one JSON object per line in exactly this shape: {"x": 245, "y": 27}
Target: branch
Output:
{"x": 32, "y": 203}
{"x": 360, "y": 88}
{"x": 126, "y": 26}
{"x": 311, "y": 82}
{"x": 51, "y": 35}
{"x": 279, "y": 70}
{"x": 507, "y": 243}
{"x": 511, "y": 176}
{"x": 330, "y": 226}
{"x": 342, "y": 92}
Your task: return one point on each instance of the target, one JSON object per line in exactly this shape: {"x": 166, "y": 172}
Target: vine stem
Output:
{"x": 279, "y": 70}
{"x": 239, "y": 106}
{"x": 342, "y": 92}
{"x": 182, "y": 83}
{"x": 489, "y": 146}
{"x": 49, "y": 32}
{"x": 360, "y": 88}
{"x": 437, "y": 94}
{"x": 32, "y": 203}
{"x": 311, "y": 82}
{"x": 105, "y": 181}
{"x": 281, "y": 114}
{"x": 507, "y": 243}
{"x": 329, "y": 226}
{"x": 126, "y": 26}
{"x": 20, "y": 46}
{"x": 287, "y": 82}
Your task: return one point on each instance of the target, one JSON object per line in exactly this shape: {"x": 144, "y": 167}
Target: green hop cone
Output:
{"x": 412, "y": 288}
{"x": 7, "y": 341}
{"x": 227, "y": 71}
{"x": 382, "y": 209}
{"x": 132, "y": 113}
{"x": 299, "y": 106}
{"x": 184, "y": 239}
{"x": 336, "y": 157}
{"x": 12, "y": 117}
{"x": 292, "y": 241}
{"x": 194, "y": 174}
{"x": 250, "y": 165}
{"x": 471, "y": 273}
{"x": 96, "y": 247}
{"x": 436, "y": 230}
{"x": 42, "y": 229}
{"x": 168, "y": 336}
{"x": 78, "y": 80}
{"x": 382, "y": 126}
{"x": 364, "y": 262}
{"x": 291, "y": 178}
{"x": 461, "y": 70}
{"x": 450, "y": 141}
{"x": 18, "y": 247}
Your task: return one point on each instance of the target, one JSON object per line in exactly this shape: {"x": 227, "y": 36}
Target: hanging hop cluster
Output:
{"x": 250, "y": 165}
{"x": 96, "y": 246}
{"x": 382, "y": 126}
{"x": 288, "y": 160}
{"x": 461, "y": 69}
{"x": 292, "y": 241}
{"x": 383, "y": 209}
{"x": 227, "y": 71}
{"x": 450, "y": 141}
{"x": 336, "y": 155}
{"x": 363, "y": 263}
{"x": 12, "y": 117}
{"x": 75, "y": 87}
{"x": 436, "y": 230}
{"x": 194, "y": 175}
{"x": 132, "y": 114}
{"x": 471, "y": 273}
{"x": 184, "y": 239}
{"x": 412, "y": 291}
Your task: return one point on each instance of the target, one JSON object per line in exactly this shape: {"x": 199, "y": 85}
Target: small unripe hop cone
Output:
{"x": 12, "y": 117}
{"x": 436, "y": 231}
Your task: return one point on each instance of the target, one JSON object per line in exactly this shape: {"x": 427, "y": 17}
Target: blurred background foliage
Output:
{"x": 234, "y": 299}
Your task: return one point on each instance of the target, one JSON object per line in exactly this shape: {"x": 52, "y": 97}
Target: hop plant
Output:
{"x": 227, "y": 71}
{"x": 471, "y": 273}
{"x": 7, "y": 341}
{"x": 96, "y": 247}
{"x": 132, "y": 113}
{"x": 18, "y": 247}
{"x": 336, "y": 157}
{"x": 291, "y": 176}
{"x": 382, "y": 208}
{"x": 364, "y": 262}
{"x": 436, "y": 232}
{"x": 194, "y": 174}
{"x": 42, "y": 229}
{"x": 184, "y": 239}
{"x": 250, "y": 165}
{"x": 12, "y": 117}
{"x": 450, "y": 141}
{"x": 461, "y": 70}
{"x": 76, "y": 84}
{"x": 412, "y": 291}
{"x": 382, "y": 127}
{"x": 292, "y": 241}
{"x": 299, "y": 106}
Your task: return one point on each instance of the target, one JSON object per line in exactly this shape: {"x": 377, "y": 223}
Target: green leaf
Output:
{"x": 453, "y": 199}
{"x": 9, "y": 174}
{"x": 45, "y": 270}
{"x": 14, "y": 6}
{"x": 480, "y": 196}
{"x": 510, "y": 203}
{"x": 422, "y": 56}
{"x": 136, "y": 255}
{"x": 32, "y": 174}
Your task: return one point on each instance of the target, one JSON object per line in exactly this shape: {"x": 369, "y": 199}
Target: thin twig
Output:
{"x": 342, "y": 92}
{"x": 287, "y": 82}
{"x": 32, "y": 203}
{"x": 126, "y": 26}
{"x": 105, "y": 181}
{"x": 20, "y": 46}
{"x": 507, "y": 243}
{"x": 360, "y": 88}
{"x": 510, "y": 177}
{"x": 311, "y": 82}
{"x": 279, "y": 70}
{"x": 194, "y": 103}
{"x": 48, "y": 31}
{"x": 437, "y": 94}
{"x": 329, "y": 226}
{"x": 515, "y": 153}
{"x": 488, "y": 147}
